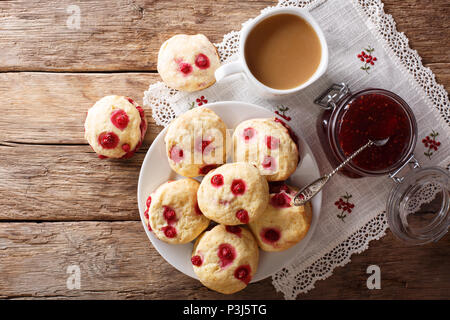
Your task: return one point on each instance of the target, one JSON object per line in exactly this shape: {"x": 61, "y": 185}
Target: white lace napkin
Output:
{"x": 353, "y": 209}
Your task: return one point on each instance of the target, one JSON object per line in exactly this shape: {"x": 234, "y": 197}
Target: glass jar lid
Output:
{"x": 418, "y": 207}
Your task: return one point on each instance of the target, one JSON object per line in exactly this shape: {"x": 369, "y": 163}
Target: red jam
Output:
{"x": 185, "y": 68}
{"x": 200, "y": 145}
{"x": 248, "y": 134}
{"x": 169, "y": 215}
{"x": 374, "y": 116}
{"x": 226, "y": 254}
{"x": 207, "y": 168}
{"x": 234, "y": 229}
{"x": 169, "y": 231}
{"x": 119, "y": 118}
{"x": 270, "y": 235}
{"x": 202, "y": 61}
{"x": 237, "y": 187}
{"x": 176, "y": 154}
{"x": 217, "y": 180}
{"x": 243, "y": 273}
{"x": 242, "y": 216}
{"x": 280, "y": 200}
{"x": 272, "y": 142}
{"x": 108, "y": 140}
{"x": 196, "y": 261}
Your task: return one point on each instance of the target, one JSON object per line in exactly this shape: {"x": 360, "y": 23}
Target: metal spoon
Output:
{"x": 308, "y": 192}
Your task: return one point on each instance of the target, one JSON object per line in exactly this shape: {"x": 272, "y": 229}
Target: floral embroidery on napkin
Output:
{"x": 431, "y": 143}
{"x": 345, "y": 206}
{"x": 200, "y": 101}
{"x": 281, "y": 111}
{"x": 366, "y": 57}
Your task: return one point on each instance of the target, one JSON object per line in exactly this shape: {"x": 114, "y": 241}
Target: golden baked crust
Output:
{"x": 178, "y": 65}
{"x": 233, "y": 194}
{"x": 227, "y": 272}
{"x": 99, "y": 121}
{"x": 282, "y": 225}
{"x": 173, "y": 213}
{"x": 196, "y": 142}
{"x": 266, "y": 144}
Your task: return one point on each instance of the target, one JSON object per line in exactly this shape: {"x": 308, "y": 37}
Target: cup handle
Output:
{"x": 228, "y": 69}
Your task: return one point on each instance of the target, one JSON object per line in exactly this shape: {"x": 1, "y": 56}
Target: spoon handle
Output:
{"x": 305, "y": 194}
{"x": 344, "y": 163}
{"x": 308, "y": 192}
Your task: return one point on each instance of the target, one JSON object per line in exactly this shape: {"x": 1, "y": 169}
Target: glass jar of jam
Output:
{"x": 349, "y": 121}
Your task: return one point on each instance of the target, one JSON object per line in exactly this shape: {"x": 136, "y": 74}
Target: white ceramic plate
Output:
{"x": 156, "y": 170}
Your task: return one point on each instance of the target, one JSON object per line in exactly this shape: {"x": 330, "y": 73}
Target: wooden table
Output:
{"x": 60, "y": 205}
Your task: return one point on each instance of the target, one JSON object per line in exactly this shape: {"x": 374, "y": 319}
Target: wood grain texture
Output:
{"x": 48, "y": 182}
{"x": 426, "y": 24}
{"x": 49, "y": 174}
{"x": 48, "y": 171}
{"x": 49, "y": 108}
{"x": 34, "y": 34}
{"x": 113, "y": 35}
{"x": 117, "y": 261}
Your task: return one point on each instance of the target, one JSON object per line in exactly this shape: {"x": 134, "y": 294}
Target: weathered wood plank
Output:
{"x": 426, "y": 25}
{"x": 117, "y": 261}
{"x": 57, "y": 182}
{"x": 407, "y": 272}
{"x": 119, "y": 35}
{"x": 48, "y": 172}
{"x": 126, "y": 35}
{"x": 49, "y": 108}
{"x": 40, "y": 179}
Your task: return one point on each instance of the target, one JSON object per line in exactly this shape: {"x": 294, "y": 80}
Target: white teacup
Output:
{"x": 240, "y": 66}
